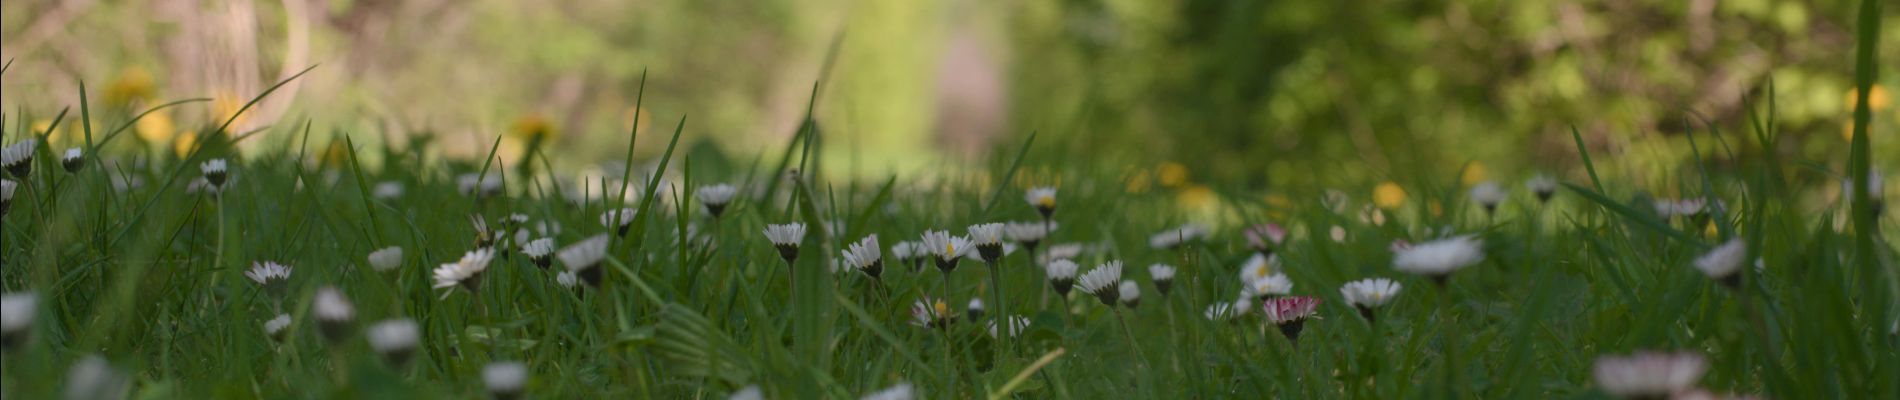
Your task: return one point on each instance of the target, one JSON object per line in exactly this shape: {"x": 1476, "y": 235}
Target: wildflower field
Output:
{"x": 321, "y": 267}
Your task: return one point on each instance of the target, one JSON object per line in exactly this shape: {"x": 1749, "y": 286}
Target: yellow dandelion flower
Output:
{"x": 183, "y": 144}
{"x": 1196, "y": 197}
{"x": 1876, "y": 98}
{"x": 155, "y": 127}
{"x": 134, "y": 84}
{"x": 1474, "y": 174}
{"x": 1139, "y": 182}
{"x": 533, "y": 127}
{"x": 1172, "y": 174}
{"x": 225, "y": 105}
{"x": 1388, "y": 195}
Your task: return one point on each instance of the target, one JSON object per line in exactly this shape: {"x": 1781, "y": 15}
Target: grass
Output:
{"x": 150, "y": 277}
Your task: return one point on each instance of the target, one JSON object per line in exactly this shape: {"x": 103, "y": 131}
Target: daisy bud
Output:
{"x": 715, "y": 197}
{"x": 1439, "y": 258}
{"x": 7, "y": 187}
{"x": 1163, "y": 276}
{"x": 988, "y": 239}
{"x": 947, "y": 249}
{"x": 215, "y": 171}
{"x": 386, "y": 259}
{"x": 18, "y": 157}
{"x": 1130, "y": 294}
{"x": 335, "y": 315}
{"x": 1043, "y": 199}
{"x": 1102, "y": 282}
{"x": 17, "y": 314}
{"x": 582, "y": 260}
{"x": 395, "y": 339}
{"x": 72, "y": 160}
{"x": 1724, "y": 262}
{"x": 95, "y": 378}
{"x": 505, "y": 380}
{"x": 277, "y": 328}
{"x": 786, "y": 238}
{"x": 1368, "y": 295}
{"x": 1061, "y": 274}
{"x": 1649, "y": 375}
{"x": 1543, "y": 187}
{"x": 1488, "y": 195}
{"x": 621, "y": 221}
{"x": 974, "y": 311}
{"x": 540, "y": 251}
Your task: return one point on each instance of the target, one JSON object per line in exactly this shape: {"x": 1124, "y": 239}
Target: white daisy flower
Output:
{"x": 786, "y": 238}
{"x": 18, "y": 157}
{"x": 386, "y": 259}
{"x": 1163, "y": 276}
{"x": 1338, "y": 234}
{"x": 988, "y": 239}
{"x": 1172, "y": 238}
{"x": 1722, "y": 263}
{"x": 73, "y": 159}
{"x": 1130, "y": 293}
{"x": 335, "y": 314}
{"x": 540, "y": 251}
{"x": 465, "y": 272}
{"x": 1043, "y": 199}
{"x": 1270, "y": 286}
{"x": 1437, "y": 259}
{"x": 272, "y": 276}
{"x": 1290, "y": 314}
{"x": 476, "y": 184}
{"x": 1243, "y": 305}
{"x": 947, "y": 249}
{"x": 865, "y": 256}
{"x": 1543, "y": 186}
{"x": 395, "y": 339}
{"x": 215, "y": 170}
{"x": 931, "y": 313}
{"x": 1218, "y": 312}
{"x": 567, "y": 279}
{"x": 1061, "y": 274}
{"x": 581, "y": 258}
{"x": 748, "y": 393}
{"x": 7, "y": 186}
{"x": 1065, "y": 251}
{"x": 1258, "y": 267}
{"x": 900, "y": 391}
{"x": 621, "y": 220}
{"x": 1649, "y": 375}
{"x": 277, "y": 327}
{"x": 1017, "y": 324}
{"x": 95, "y": 378}
{"x": 1369, "y": 294}
{"x": 1488, "y": 194}
{"x": 974, "y": 310}
{"x": 1876, "y": 186}
{"x": 505, "y": 379}
{"x": 1102, "y": 282}
{"x": 386, "y": 190}
{"x": 1263, "y": 238}
{"x": 910, "y": 254}
{"x": 715, "y": 197}
{"x": 1029, "y": 234}
{"x": 17, "y": 314}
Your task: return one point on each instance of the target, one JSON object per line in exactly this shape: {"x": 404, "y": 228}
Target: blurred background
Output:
{"x": 1253, "y": 94}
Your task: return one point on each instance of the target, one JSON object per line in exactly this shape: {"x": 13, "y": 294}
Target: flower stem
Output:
{"x": 1001, "y": 316}
{"x": 950, "y": 373}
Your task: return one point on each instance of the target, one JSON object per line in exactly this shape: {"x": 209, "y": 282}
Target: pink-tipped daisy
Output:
{"x": 1290, "y": 314}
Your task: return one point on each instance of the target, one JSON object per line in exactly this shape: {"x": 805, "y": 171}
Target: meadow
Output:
{"x": 323, "y": 268}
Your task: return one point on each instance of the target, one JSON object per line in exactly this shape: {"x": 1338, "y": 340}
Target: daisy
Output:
{"x": 1219, "y": 312}
{"x": 540, "y": 251}
{"x": 1488, "y": 194}
{"x": 277, "y": 327}
{"x": 1163, "y": 276}
{"x": 1437, "y": 259}
{"x": 1043, "y": 199}
{"x": 900, "y": 391}
{"x": 1290, "y": 314}
{"x": 567, "y": 279}
{"x": 6, "y": 195}
{"x": 478, "y": 185}
{"x": 582, "y": 258}
{"x": 72, "y": 159}
{"x": 1243, "y": 305}
{"x": 395, "y": 339}
{"x": 335, "y": 314}
{"x": 387, "y": 190}
{"x": 1338, "y": 234}
{"x": 865, "y": 256}
{"x": 974, "y": 311}
{"x": 786, "y": 237}
{"x": 715, "y": 197}
{"x": 1876, "y": 188}
{"x": 931, "y": 313}
{"x": 1065, "y": 251}
{"x": 1369, "y": 294}
{"x": 215, "y": 171}
{"x": 1723, "y": 263}
{"x": 1543, "y": 186}
{"x": 947, "y": 249}
{"x": 910, "y": 253}
{"x": 1269, "y": 287}
{"x": 272, "y": 276}
{"x": 1258, "y": 267}
{"x": 1649, "y": 375}
{"x": 1061, "y": 275}
{"x": 1029, "y": 234}
{"x": 505, "y": 379}
{"x": 1264, "y": 238}
{"x": 386, "y": 259}
{"x": 621, "y": 220}
{"x": 95, "y": 378}
{"x": 1016, "y": 325}
{"x": 1174, "y": 238}
{"x": 18, "y": 157}
{"x": 465, "y": 272}
{"x": 1130, "y": 293}
{"x": 484, "y": 237}
{"x": 988, "y": 239}
{"x": 17, "y": 313}
{"x": 748, "y": 393}
{"x": 1102, "y": 282}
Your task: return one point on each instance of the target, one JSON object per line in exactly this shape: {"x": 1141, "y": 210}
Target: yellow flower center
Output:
{"x": 1046, "y": 201}
{"x": 942, "y": 309}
